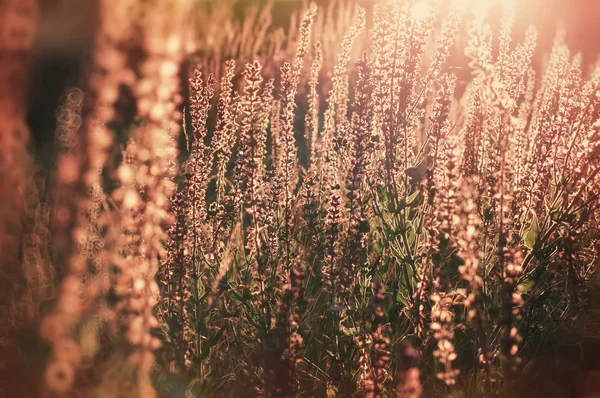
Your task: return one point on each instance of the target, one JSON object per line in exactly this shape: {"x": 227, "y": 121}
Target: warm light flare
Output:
{"x": 481, "y": 8}
{"x": 420, "y": 10}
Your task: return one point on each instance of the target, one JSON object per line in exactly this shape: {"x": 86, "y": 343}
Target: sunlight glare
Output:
{"x": 479, "y": 8}
{"x": 420, "y": 10}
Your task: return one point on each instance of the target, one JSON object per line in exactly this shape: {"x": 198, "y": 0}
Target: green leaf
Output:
{"x": 400, "y": 298}
{"x": 208, "y": 346}
{"x": 351, "y": 332}
{"x": 532, "y": 234}
{"x": 526, "y": 285}
{"x": 411, "y": 236}
{"x": 411, "y": 198}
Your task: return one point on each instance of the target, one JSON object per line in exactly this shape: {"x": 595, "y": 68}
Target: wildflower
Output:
{"x": 380, "y": 356}
{"x": 409, "y": 385}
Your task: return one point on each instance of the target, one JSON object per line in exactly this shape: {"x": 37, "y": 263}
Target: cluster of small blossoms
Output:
{"x": 366, "y": 371}
{"x": 442, "y": 326}
{"x": 467, "y": 226}
{"x": 336, "y": 111}
{"x": 143, "y": 198}
{"x": 380, "y": 355}
{"x": 361, "y": 145}
{"x": 285, "y": 152}
{"x": 512, "y": 301}
{"x": 249, "y": 171}
{"x": 37, "y": 267}
{"x": 224, "y": 138}
{"x": 332, "y": 244}
{"x": 472, "y": 140}
{"x": 449, "y": 30}
{"x": 80, "y": 170}
{"x": 289, "y": 344}
{"x": 199, "y": 164}
{"x": 312, "y": 114}
{"x": 174, "y": 282}
{"x": 374, "y": 348}
{"x": 57, "y": 327}
{"x": 290, "y": 79}
{"x": 438, "y": 132}
{"x": 409, "y": 383}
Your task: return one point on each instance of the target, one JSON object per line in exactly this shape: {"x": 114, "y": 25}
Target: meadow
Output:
{"x": 392, "y": 201}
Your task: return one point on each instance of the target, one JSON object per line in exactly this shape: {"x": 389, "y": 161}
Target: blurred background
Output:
{"x": 66, "y": 31}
